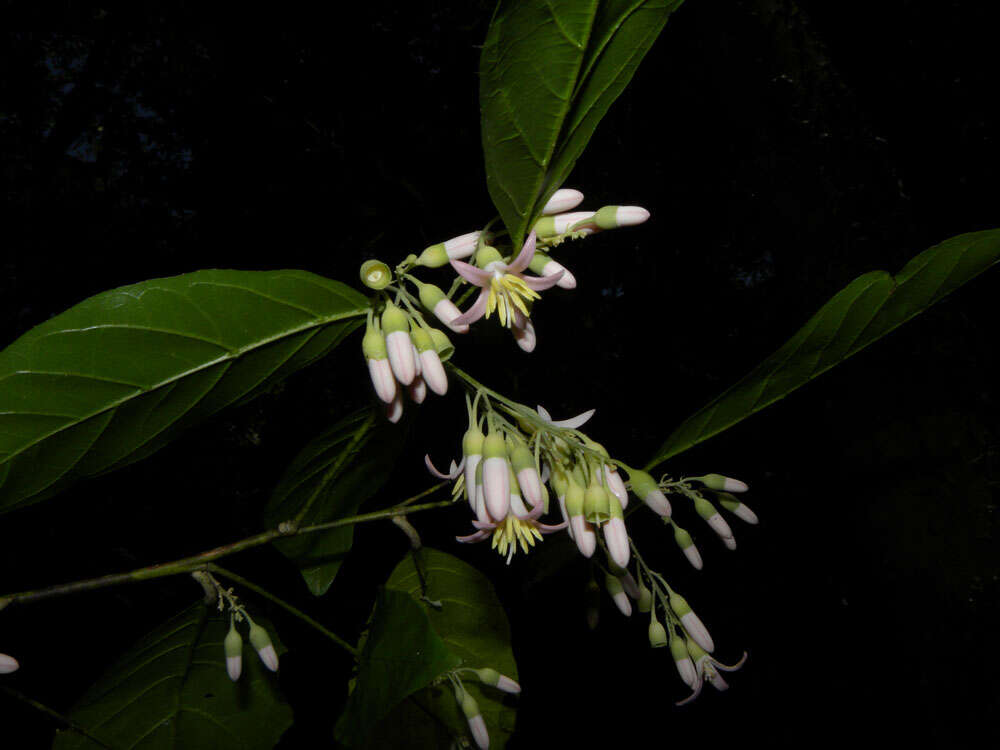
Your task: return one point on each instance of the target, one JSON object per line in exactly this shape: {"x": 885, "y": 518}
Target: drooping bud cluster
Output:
{"x": 402, "y": 351}
{"x": 469, "y": 706}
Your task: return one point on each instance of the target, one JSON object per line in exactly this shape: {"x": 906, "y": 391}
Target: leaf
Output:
{"x": 401, "y": 655}
{"x": 549, "y": 72}
{"x": 340, "y": 469}
{"x": 473, "y": 624}
{"x": 171, "y": 690}
{"x": 119, "y": 375}
{"x": 867, "y": 309}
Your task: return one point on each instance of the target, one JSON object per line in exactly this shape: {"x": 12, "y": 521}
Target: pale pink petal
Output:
{"x": 417, "y": 390}
{"x": 447, "y": 312}
{"x": 616, "y": 537}
{"x": 433, "y": 372}
{"x": 475, "y": 312}
{"x": 394, "y": 409}
{"x": 617, "y": 485}
{"x": 541, "y": 283}
{"x": 400, "y": 350}
{"x": 383, "y": 379}
{"x": 584, "y": 535}
{"x": 548, "y": 528}
{"x": 524, "y": 332}
{"x": 477, "y": 537}
{"x": 496, "y": 484}
{"x": 524, "y": 257}
{"x": 470, "y": 273}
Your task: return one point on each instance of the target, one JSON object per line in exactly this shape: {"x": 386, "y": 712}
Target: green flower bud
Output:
{"x": 430, "y": 295}
{"x": 642, "y": 483}
{"x": 704, "y": 508}
{"x": 520, "y": 456}
{"x": 719, "y": 482}
{"x": 559, "y": 481}
{"x": 233, "y": 647}
{"x": 373, "y": 344}
{"x": 679, "y": 604}
{"x": 596, "y": 505}
{"x": 434, "y": 256}
{"x": 442, "y": 344}
{"x": 421, "y": 339}
{"x": 678, "y": 650}
{"x": 261, "y": 642}
{"x": 657, "y": 634}
{"x": 645, "y": 603}
{"x": 488, "y": 676}
{"x": 375, "y": 274}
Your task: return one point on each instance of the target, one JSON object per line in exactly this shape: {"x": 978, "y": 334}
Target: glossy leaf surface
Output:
{"x": 549, "y": 71}
{"x": 171, "y": 692}
{"x": 333, "y": 475}
{"x": 114, "y": 378}
{"x": 867, "y": 309}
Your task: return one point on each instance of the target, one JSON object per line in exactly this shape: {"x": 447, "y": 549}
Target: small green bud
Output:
{"x": 558, "y": 481}
{"x": 375, "y": 274}
{"x": 442, "y": 344}
{"x": 682, "y": 538}
{"x": 261, "y": 642}
{"x": 233, "y": 648}
{"x": 607, "y": 217}
{"x": 704, "y": 508}
{"x": 645, "y": 603}
{"x": 613, "y": 585}
{"x": 488, "y": 676}
{"x": 657, "y": 634}
{"x": 642, "y": 483}
{"x": 719, "y": 482}
{"x": 394, "y": 319}
{"x": 434, "y": 256}
{"x": 430, "y": 295}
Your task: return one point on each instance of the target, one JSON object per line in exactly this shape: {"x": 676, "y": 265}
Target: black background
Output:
{"x": 783, "y": 149}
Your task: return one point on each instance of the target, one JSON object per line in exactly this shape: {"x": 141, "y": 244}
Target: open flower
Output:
{"x": 504, "y": 287}
{"x": 706, "y": 669}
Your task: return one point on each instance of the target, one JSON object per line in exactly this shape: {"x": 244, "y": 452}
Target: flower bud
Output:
{"x": 719, "y": 482}
{"x": 472, "y": 449}
{"x": 737, "y": 508}
{"x": 686, "y": 543}
{"x": 375, "y": 274}
{"x": 657, "y": 634}
{"x": 394, "y": 409}
{"x": 501, "y": 682}
{"x": 373, "y": 347}
{"x": 647, "y": 490}
{"x": 582, "y": 531}
{"x": 417, "y": 390}
{"x": 525, "y": 336}
{"x": 261, "y": 642}
{"x": 431, "y": 368}
{"x": 692, "y": 624}
{"x": 682, "y": 660}
{"x": 618, "y": 595}
{"x": 612, "y": 217}
{"x": 615, "y": 533}
{"x": 8, "y": 664}
{"x": 523, "y": 461}
{"x": 616, "y": 485}
{"x": 564, "y": 199}
{"x": 435, "y": 300}
{"x": 645, "y": 598}
{"x": 486, "y": 255}
{"x": 438, "y": 255}
{"x": 476, "y": 723}
{"x": 398, "y": 345}
{"x": 543, "y": 265}
{"x": 233, "y": 647}
{"x": 550, "y": 226}
{"x": 714, "y": 519}
{"x": 496, "y": 475}
{"x": 596, "y": 506}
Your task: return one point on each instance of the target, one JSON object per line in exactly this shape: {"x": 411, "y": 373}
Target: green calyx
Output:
{"x": 545, "y": 227}
{"x": 538, "y": 262}
{"x": 596, "y": 504}
{"x": 472, "y": 442}
{"x": 430, "y": 295}
{"x": 434, "y": 256}
{"x": 469, "y": 706}
{"x": 394, "y": 319}
{"x": 375, "y": 274}
{"x": 442, "y": 344}
{"x": 678, "y": 650}
{"x": 606, "y": 217}
{"x": 494, "y": 446}
{"x": 486, "y": 255}
{"x": 645, "y": 603}
{"x": 682, "y": 538}
{"x": 520, "y": 456}
{"x": 259, "y": 638}
{"x": 729, "y": 502}
{"x": 574, "y": 498}
{"x": 657, "y": 634}
{"x": 704, "y": 508}
{"x": 695, "y": 651}
{"x": 679, "y": 604}
{"x": 612, "y": 584}
{"x": 559, "y": 482}
{"x": 713, "y": 481}
{"x": 421, "y": 339}
{"x": 488, "y": 676}
{"x": 233, "y": 644}
{"x": 642, "y": 483}
{"x": 373, "y": 344}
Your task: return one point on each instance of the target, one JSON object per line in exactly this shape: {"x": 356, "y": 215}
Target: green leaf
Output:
{"x": 867, "y": 309}
{"x": 334, "y": 475}
{"x": 549, "y": 71}
{"x": 171, "y": 690}
{"x": 114, "y": 378}
{"x": 472, "y": 622}
{"x": 401, "y": 655}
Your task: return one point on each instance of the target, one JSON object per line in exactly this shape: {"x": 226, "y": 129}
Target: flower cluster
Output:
{"x": 470, "y": 707}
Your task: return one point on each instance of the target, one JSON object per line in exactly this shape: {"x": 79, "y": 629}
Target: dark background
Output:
{"x": 783, "y": 149}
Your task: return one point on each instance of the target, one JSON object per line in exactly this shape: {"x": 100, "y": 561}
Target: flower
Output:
{"x": 233, "y": 647}
{"x": 261, "y": 642}
{"x": 706, "y": 669}
{"x": 504, "y": 287}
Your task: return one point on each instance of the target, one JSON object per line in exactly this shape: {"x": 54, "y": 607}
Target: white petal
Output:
{"x": 565, "y": 199}
{"x": 564, "y": 221}
{"x": 234, "y": 666}
{"x": 508, "y": 685}
{"x": 584, "y": 535}
{"x": 658, "y": 502}
{"x": 496, "y": 484}
{"x": 720, "y": 527}
{"x": 685, "y": 668}
{"x": 734, "y": 485}
{"x": 269, "y": 657}
{"x": 617, "y": 485}
{"x": 417, "y": 390}
{"x": 433, "y": 372}
{"x": 693, "y": 556}
{"x": 446, "y": 311}
{"x": 462, "y": 246}
{"x": 630, "y": 586}
{"x": 566, "y": 281}
{"x": 629, "y": 216}
{"x": 417, "y": 364}
{"x": 525, "y": 336}
{"x": 394, "y": 410}
{"x": 471, "y": 462}
{"x": 531, "y": 485}
{"x": 8, "y": 664}
{"x": 698, "y": 632}
{"x": 623, "y": 604}
{"x": 616, "y": 537}
{"x": 743, "y": 512}
{"x": 478, "y": 728}
{"x": 382, "y": 379}
{"x": 400, "y": 350}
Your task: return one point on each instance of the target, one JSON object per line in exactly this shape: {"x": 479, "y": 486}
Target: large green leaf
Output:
{"x": 472, "y": 622}
{"x": 171, "y": 692}
{"x": 114, "y": 378}
{"x": 867, "y": 309}
{"x": 334, "y": 475}
{"x": 401, "y": 655}
{"x": 549, "y": 71}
